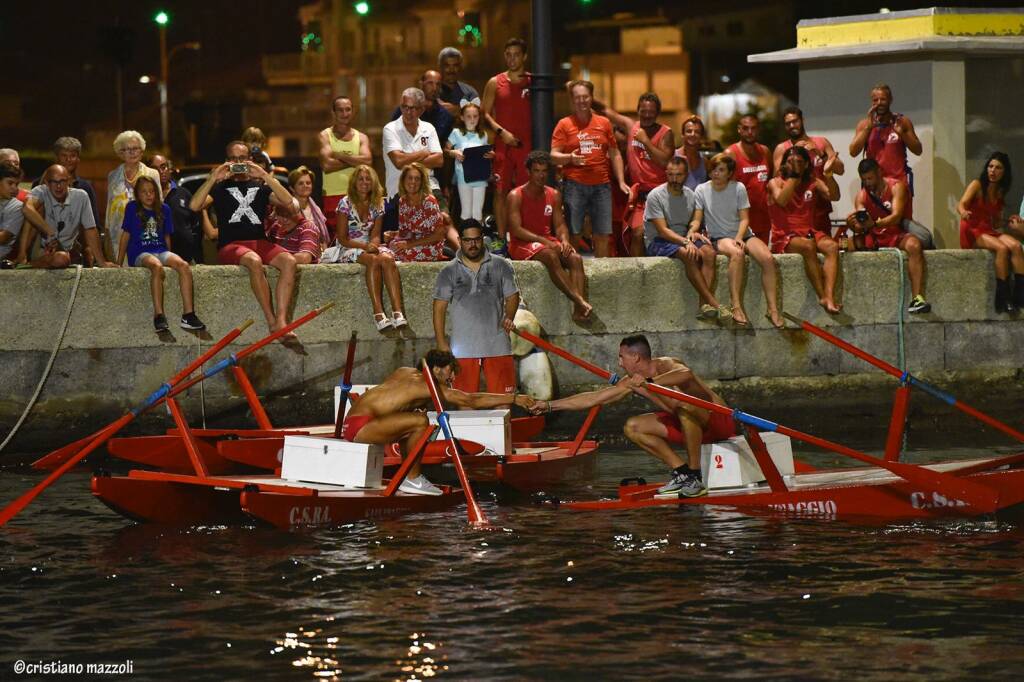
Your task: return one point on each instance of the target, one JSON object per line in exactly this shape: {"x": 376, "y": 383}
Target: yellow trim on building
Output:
{"x": 909, "y": 28}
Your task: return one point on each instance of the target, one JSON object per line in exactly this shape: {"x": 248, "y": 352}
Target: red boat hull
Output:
{"x": 176, "y": 499}
{"x": 886, "y": 496}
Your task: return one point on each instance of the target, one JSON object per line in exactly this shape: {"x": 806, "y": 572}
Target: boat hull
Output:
{"x": 848, "y": 493}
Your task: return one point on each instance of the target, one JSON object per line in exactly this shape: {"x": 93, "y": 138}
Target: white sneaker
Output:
{"x": 419, "y": 486}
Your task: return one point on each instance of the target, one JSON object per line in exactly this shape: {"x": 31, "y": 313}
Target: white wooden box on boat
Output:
{"x": 357, "y": 390}
{"x": 330, "y": 460}
{"x": 490, "y": 428}
{"x": 731, "y": 463}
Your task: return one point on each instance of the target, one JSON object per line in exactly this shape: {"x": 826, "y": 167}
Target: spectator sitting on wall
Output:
{"x": 241, "y": 192}
{"x": 300, "y": 229}
{"x": 792, "y": 197}
{"x": 669, "y": 233}
{"x": 537, "y": 231}
{"x": 360, "y": 215}
{"x": 146, "y": 242}
{"x": 421, "y": 223}
{"x": 981, "y": 216}
{"x": 882, "y": 207}
{"x": 479, "y": 289}
{"x": 129, "y": 145}
{"x": 342, "y": 149}
{"x": 58, "y": 212}
{"x": 187, "y": 237}
{"x": 11, "y": 217}
{"x": 452, "y": 90}
{"x": 693, "y": 139}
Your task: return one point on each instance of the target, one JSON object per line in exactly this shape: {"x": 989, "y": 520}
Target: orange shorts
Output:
{"x": 499, "y": 374}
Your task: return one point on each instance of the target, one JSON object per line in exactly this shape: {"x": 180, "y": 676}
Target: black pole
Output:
{"x": 542, "y": 84}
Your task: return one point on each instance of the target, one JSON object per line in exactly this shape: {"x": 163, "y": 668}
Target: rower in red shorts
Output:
{"x": 677, "y": 423}
{"x": 393, "y": 411}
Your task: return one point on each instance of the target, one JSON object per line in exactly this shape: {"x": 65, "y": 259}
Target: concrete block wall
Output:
{"x": 110, "y": 358}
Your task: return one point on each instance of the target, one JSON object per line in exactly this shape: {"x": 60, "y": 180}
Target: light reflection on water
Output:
{"x": 552, "y": 594}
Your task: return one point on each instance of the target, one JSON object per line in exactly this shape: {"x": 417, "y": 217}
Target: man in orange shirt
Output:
{"x": 584, "y": 144}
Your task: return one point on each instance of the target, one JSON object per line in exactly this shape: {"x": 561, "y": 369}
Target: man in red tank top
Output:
{"x": 882, "y": 205}
{"x": 791, "y": 197}
{"x": 649, "y": 146}
{"x": 821, "y": 152}
{"x": 506, "y": 108}
{"x": 753, "y": 169}
{"x": 885, "y": 136}
{"x": 537, "y": 231}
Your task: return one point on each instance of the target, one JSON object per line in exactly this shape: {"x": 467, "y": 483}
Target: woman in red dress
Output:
{"x": 981, "y": 214}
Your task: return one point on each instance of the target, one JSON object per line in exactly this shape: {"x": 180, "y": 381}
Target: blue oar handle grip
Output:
{"x": 613, "y": 379}
{"x": 221, "y": 366}
{"x": 933, "y": 390}
{"x": 757, "y": 422}
{"x": 345, "y": 388}
{"x": 442, "y": 420}
{"x": 152, "y": 399}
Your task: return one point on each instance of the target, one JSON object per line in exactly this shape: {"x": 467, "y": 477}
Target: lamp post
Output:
{"x": 162, "y": 19}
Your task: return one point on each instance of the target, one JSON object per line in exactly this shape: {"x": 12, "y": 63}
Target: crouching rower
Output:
{"x": 393, "y": 411}
{"x": 677, "y": 423}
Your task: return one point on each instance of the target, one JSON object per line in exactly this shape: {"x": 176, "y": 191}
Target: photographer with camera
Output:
{"x": 883, "y": 209}
{"x": 241, "y": 192}
{"x": 885, "y": 136}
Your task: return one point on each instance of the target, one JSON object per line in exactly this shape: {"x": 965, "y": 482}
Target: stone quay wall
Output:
{"x": 110, "y": 359}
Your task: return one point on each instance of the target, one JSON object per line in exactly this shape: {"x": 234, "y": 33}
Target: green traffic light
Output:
{"x": 362, "y": 8}
{"x": 162, "y": 18}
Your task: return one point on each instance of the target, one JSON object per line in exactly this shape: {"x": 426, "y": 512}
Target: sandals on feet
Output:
{"x": 738, "y": 323}
{"x": 398, "y": 319}
{"x": 382, "y": 321}
{"x": 780, "y": 325}
{"x": 724, "y": 313}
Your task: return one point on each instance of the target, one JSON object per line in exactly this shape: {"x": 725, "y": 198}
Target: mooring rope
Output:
{"x": 49, "y": 363}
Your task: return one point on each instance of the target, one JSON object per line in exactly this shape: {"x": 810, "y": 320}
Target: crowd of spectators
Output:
{"x": 455, "y": 160}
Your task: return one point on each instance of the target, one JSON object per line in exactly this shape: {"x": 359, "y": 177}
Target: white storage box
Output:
{"x": 357, "y": 389}
{"x": 490, "y": 428}
{"x": 731, "y": 463}
{"x": 330, "y": 460}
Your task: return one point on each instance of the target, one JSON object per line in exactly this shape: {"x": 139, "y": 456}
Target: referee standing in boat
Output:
{"x": 479, "y": 289}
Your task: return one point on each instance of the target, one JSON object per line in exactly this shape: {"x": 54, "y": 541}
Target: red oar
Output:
{"x": 159, "y": 396}
{"x": 978, "y": 496}
{"x": 346, "y": 385}
{"x": 907, "y": 377}
{"x": 476, "y": 515}
{"x": 59, "y": 456}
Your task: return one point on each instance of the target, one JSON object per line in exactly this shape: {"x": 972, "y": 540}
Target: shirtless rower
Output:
{"x": 677, "y": 423}
{"x": 393, "y": 411}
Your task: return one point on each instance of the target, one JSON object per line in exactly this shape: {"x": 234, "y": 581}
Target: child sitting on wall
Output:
{"x": 146, "y": 242}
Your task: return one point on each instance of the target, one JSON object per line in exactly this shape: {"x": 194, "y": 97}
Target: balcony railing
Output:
{"x": 296, "y": 67}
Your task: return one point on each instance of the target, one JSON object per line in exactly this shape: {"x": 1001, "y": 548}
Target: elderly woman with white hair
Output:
{"x": 129, "y": 145}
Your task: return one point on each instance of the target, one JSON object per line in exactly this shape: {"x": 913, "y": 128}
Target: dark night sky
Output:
{"x": 69, "y": 82}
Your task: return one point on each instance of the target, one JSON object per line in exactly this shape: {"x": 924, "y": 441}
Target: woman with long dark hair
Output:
{"x": 981, "y": 216}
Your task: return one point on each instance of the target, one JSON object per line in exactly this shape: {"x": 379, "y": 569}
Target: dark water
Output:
{"x": 649, "y": 594}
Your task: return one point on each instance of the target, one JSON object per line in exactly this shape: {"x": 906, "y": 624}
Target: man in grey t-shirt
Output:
{"x": 668, "y": 232}
{"x": 480, "y": 289}
{"x": 59, "y": 211}
{"x": 11, "y": 217}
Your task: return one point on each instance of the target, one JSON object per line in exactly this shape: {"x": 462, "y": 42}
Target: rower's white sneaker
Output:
{"x": 419, "y": 486}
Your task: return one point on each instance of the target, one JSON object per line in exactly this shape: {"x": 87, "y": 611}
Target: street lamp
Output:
{"x": 162, "y": 19}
